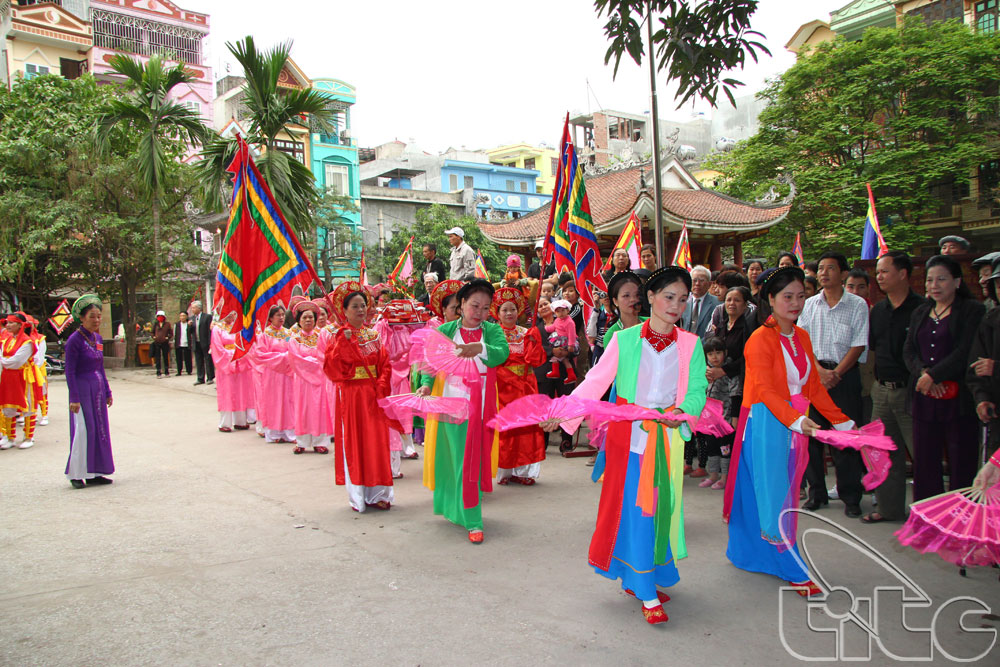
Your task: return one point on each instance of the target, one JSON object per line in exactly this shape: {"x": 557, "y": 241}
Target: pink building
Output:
{"x": 146, "y": 27}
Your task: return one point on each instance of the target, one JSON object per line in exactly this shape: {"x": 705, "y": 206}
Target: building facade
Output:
{"x": 543, "y": 159}
{"x": 500, "y": 193}
{"x": 53, "y": 37}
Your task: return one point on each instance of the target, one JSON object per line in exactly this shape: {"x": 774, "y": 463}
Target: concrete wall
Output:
{"x": 399, "y": 208}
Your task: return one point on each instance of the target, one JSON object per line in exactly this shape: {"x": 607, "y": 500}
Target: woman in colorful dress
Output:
{"x": 234, "y": 393}
{"x": 359, "y": 368}
{"x": 771, "y": 447}
{"x": 640, "y": 522}
{"x": 90, "y": 456}
{"x": 461, "y": 462}
{"x": 522, "y": 450}
{"x": 312, "y": 391}
{"x": 445, "y": 308}
{"x": 273, "y": 375}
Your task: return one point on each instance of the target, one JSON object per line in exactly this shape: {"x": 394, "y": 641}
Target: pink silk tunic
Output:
{"x": 273, "y": 380}
{"x": 233, "y": 379}
{"x": 312, "y": 391}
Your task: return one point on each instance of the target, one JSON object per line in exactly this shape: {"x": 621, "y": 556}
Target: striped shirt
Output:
{"x": 834, "y": 331}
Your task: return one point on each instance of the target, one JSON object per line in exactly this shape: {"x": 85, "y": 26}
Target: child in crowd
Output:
{"x": 548, "y": 289}
{"x": 812, "y": 286}
{"x": 563, "y": 334}
{"x": 717, "y": 450}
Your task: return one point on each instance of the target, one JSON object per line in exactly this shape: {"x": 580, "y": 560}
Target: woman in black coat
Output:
{"x": 936, "y": 353}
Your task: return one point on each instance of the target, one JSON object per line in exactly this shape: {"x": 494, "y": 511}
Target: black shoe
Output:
{"x": 812, "y": 505}
{"x": 77, "y": 483}
{"x": 853, "y": 511}
{"x": 178, "y": 375}
{"x": 97, "y": 481}
{"x": 211, "y": 382}
{"x": 199, "y": 382}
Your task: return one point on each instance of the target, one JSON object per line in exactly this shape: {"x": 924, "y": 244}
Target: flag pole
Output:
{"x": 655, "y": 119}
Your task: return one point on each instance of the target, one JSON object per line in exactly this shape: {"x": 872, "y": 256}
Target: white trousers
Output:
{"x": 231, "y": 419}
{"x": 408, "y": 448}
{"x": 312, "y": 440}
{"x": 531, "y": 471}
{"x": 362, "y": 496}
{"x": 272, "y": 435}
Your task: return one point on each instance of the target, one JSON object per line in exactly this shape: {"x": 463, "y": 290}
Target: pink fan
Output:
{"x": 417, "y": 340}
{"x": 712, "y": 420}
{"x": 404, "y": 407}
{"x": 440, "y": 355}
{"x": 962, "y": 527}
{"x": 874, "y": 445}
{"x": 533, "y": 409}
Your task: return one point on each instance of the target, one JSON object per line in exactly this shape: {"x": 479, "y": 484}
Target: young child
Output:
{"x": 716, "y": 450}
{"x": 562, "y": 334}
{"x": 548, "y": 289}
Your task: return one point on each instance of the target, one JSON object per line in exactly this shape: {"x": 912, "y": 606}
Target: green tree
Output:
{"x": 912, "y": 111}
{"x": 271, "y": 110}
{"x": 695, "y": 41}
{"x": 147, "y": 109}
{"x": 429, "y": 228}
{"x": 332, "y": 234}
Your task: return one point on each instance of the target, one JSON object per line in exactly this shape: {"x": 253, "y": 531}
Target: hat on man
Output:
{"x": 160, "y": 312}
{"x": 985, "y": 260}
{"x": 457, "y": 231}
{"x": 996, "y": 268}
{"x": 539, "y": 244}
{"x": 954, "y": 239}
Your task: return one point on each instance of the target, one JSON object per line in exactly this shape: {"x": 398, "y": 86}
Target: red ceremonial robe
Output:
{"x": 515, "y": 378}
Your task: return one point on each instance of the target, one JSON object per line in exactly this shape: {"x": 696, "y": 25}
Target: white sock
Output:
{"x": 649, "y": 604}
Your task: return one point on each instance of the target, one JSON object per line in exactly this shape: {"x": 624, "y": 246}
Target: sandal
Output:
{"x": 298, "y": 450}
{"x": 719, "y": 485}
{"x": 321, "y": 450}
{"x": 870, "y": 518}
{"x": 708, "y": 481}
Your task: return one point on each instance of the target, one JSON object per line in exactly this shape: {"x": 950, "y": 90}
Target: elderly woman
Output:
{"x": 312, "y": 391}
{"x": 620, "y": 261}
{"x": 90, "y": 456}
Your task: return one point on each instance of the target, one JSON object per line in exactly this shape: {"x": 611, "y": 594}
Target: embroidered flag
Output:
{"x": 872, "y": 244}
{"x": 630, "y": 240}
{"x": 262, "y": 259}
{"x": 481, "y": 267}
{"x": 404, "y": 269}
{"x": 682, "y": 256}
{"x": 571, "y": 240}
{"x": 797, "y": 250}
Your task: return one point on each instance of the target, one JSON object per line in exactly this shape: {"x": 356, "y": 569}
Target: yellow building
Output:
{"x": 542, "y": 159}
{"x": 44, "y": 38}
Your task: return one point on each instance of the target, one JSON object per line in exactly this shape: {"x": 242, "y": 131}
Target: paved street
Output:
{"x": 219, "y": 549}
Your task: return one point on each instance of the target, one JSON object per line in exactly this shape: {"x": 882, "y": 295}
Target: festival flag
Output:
{"x": 570, "y": 240}
{"x": 481, "y": 266}
{"x": 797, "y": 250}
{"x": 873, "y": 233}
{"x": 61, "y": 317}
{"x": 262, "y": 259}
{"x": 682, "y": 256}
{"x": 630, "y": 240}
{"x": 403, "y": 270}
{"x": 363, "y": 278}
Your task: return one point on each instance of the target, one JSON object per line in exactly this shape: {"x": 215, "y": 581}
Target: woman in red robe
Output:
{"x": 523, "y": 449}
{"x": 359, "y": 367}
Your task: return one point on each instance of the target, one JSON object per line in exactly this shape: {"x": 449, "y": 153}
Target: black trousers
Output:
{"x": 203, "y": 361}
{"x": 183, "y": 355}
{"x": 847, "y": 462}
{"x": 161, "y": 351}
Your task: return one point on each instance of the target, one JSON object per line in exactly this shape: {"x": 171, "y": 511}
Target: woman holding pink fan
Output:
{"x": 522, "y": 450}
{"x": 461, "y": 463}
{"x": 639, "y": 534}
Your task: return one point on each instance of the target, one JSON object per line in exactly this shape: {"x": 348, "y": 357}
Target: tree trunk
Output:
{"x": 129, "y": 308}
{"x": 158, "y": 278}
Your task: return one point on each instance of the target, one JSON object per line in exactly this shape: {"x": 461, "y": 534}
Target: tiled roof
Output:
{"x": 612, "y": 196}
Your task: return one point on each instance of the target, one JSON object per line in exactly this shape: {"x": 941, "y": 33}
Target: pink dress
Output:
{"x": 563, "y": 327}
{"x": 233, "y": 379}
{"x": 273, "y": 379}
{"x": 312, "y": 391}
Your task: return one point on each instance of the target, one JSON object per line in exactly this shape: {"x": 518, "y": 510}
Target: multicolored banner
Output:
{"x": 872, "y": 244}
{"x": 363, "y": 278}
{"x": 682, "y": 256}
{"x": 61, "y": 317}
{"x": 481, "y": 267}
{"x": 630, "y": 241}
{"x": 401, "y": 276}
{"x": 262, "y": 259}
{"x": 571, "y": 241}
{"x": 797, "y": 250}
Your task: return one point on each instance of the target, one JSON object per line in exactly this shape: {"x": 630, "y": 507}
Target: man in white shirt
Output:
{"x": 837, "y": 323}
{"x": 698, "y": 312}
{"x": 463, "y": 257}
{"x": 183, "y": 335}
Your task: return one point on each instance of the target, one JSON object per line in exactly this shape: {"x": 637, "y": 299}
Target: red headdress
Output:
{"x": 504, "y": 295}
{"x": 443, "y": 290}
{"x": 338, "y": 295}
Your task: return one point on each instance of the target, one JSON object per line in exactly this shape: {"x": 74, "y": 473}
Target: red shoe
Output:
{"x": 700, "y": 472}
{"x": 225, "y": 429}
{"x": 554, "y": 373}
{"x": 806, "y": 590}
{"x": 242, "y": 428}
{"x": 298, "y": 450}
{"x": 476, "y": 536}
{"x": 687, "y": 469}
{"x": 504, "y": 482}
{"x": 655, "y": 615}
{"x": 399, "y": 476}
{"x": 380, "y": 505}
{"x": 570, "y": 376}
{"x": 321, "y": 450}
{"x": 663, "y": 597}
{"x": 526, "y": 481}
{"x": 261, "y": 434}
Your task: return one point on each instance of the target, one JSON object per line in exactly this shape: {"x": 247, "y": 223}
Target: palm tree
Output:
{"x": 147, "y": 110}
{"x": 271, "y": 110}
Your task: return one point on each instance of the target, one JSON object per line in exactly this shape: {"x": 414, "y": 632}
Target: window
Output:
{"x": 986, "y": 16}
{"x": 524, "y": 186}
{"x": 555, "y": 165}
{"x": 529, "y": 163}
{"x": 510, "y": 186}
{"x": 192, "y": 106}
{"x": 453, "y": 182}
{"x": 294, "y": 148}
{"x": 337, "y": 179}
{"x": 31, "y": 71}
{"x": 467, "y": 181}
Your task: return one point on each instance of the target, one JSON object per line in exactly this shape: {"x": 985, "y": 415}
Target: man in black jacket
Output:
{"x": 201, "y": 325}
{"x": 983, "y": 376}
{"x": 434, "y": 263}
{"x": 183, "y": 340}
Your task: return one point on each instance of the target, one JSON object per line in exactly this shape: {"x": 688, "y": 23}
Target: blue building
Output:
{"x": 500, "y": 192}
{"x": 333, "y": 158}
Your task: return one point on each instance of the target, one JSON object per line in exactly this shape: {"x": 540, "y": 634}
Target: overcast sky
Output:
{"x": 471, "y": 73}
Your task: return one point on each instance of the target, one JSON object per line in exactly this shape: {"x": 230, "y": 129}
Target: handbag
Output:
{"x": 950, "y": 390}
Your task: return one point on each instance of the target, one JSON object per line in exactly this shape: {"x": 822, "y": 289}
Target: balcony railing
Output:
{"x": 119, "y": 32}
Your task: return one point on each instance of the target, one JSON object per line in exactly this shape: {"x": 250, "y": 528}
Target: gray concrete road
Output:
{"x": 219, "y": 549}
